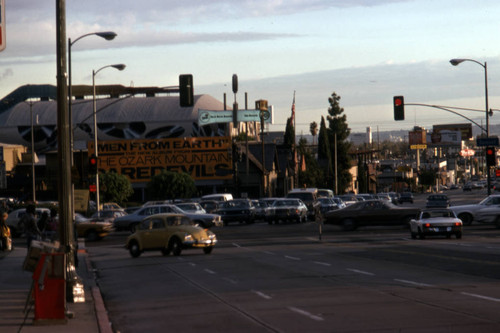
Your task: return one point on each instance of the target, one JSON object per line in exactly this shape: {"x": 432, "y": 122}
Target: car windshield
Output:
{"x": 437, "y": 213}
{"x": 281, "y": 203}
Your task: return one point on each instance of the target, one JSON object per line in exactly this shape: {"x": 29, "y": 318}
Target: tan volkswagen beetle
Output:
{"x": 169, "y": 233}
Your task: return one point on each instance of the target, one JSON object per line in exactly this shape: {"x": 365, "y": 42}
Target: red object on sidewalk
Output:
{"x": 50, "y": 289}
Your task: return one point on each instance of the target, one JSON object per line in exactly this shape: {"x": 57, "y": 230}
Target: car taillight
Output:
{"x": 457, "y": 224}
{"x": 427, "y": 225}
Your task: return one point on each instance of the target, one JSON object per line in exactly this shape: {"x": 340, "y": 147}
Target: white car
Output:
{"x": 487, "y": 211}
{"x": 16, "y": 228}
{"x": 437, "y": 221}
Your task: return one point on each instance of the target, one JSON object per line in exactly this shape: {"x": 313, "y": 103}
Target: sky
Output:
{"x": 365, "y": 51}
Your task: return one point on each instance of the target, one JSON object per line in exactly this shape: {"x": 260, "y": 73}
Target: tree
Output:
{"x": 312, "y": 176}
{"x": 324, "y": 152}
{"x": 339, "y": 129}
{"x": 289, "y": 138}
{"x": 313, "y": 128}
{"x": 114, "y": 187}
{"x": 170, "y": 185}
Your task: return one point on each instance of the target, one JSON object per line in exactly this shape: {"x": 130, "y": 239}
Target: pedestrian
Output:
{"x": 30, "y": 226}
{"x": 42, "y": 224}
{"x": 5, "y": 238}
{"x": 52, "y": 225}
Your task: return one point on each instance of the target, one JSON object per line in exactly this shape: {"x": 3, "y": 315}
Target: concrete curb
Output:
{"x": 101, "y": 313}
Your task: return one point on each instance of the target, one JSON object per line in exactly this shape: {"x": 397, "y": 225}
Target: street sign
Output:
{"x": 467, "y": 152}
{"x": 211, "y": 116}
{"x": 420, "y": 146}
{"x": 491, "y": 141}
{"x": 3, "y": 41}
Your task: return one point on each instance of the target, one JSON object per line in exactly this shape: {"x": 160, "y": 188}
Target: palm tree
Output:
{"x": 313, "y": 128}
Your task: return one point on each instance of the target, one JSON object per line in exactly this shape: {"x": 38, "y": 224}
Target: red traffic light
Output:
{"x": 398, "y": 101}
{"x": 93, "y": 164}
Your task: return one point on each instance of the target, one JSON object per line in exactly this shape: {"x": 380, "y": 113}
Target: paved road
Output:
{"x": 283, "y": 278}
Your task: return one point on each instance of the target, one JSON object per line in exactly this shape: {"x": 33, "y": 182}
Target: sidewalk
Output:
{"x": 15, "y": 283}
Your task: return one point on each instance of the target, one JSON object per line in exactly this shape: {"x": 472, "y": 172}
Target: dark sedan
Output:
{"x": 287, "y": 210}
{"x": 237, "y": 210}
{"x": 437, "y": 201}
{"x": 370, "y": 213}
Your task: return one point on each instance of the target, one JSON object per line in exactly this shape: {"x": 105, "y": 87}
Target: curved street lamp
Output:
{"x": 120, "y": 67}
{"x": 458, "y": 61}
{"x": 107, "y": 35}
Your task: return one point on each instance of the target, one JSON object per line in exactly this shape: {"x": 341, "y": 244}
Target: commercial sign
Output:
{"x": 203, "y": 158}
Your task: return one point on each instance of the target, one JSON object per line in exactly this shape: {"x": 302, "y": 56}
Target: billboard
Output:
{"x": 203, "y": 158}
{"x": 449, "y": 134}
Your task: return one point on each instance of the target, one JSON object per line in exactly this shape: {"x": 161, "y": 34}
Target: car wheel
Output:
{"x": 466, "y": 218}
{"x": 208, "y": 249}
{"x": 134, "y": 249}
{"x": 175, "y": 246}
{"x": 421, "y": 234}
{"x": 348, "y": 225}
{"x": 91, "y": 235}
{"x": 165, "y": 251}
{"x": 497, "y": 222}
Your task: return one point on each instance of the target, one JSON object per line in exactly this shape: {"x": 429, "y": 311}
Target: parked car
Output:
{"x": 130, "y": 221}
{"x": 340, "y": 203}
{"x": 486, "y": 211}
{"x": 108, "y": 215}
{"x": 218, "y": 197}
{"x": 370, "y": 213}
{"x": 261, "y": 209}
{"x": 406, "y": 197}
{"x": 325, "y": 193}
{"x": 191, "y": 207}
{"x": 16, "y": 228}
{"x": 309, "y": 196}
{"x": 287, "y": 210}
{"x": 327, "y": 204}
{"x": 237, "y": 210}
{"x": 439, "y": 221}
{"x": 348, "y": 199}
{"x": 437, "y": 201}
{"x": 210, "y": 206}
{"x": 169, "y": 233}
{"x": 92, "y": 229}
{"x": 467, "y": 187}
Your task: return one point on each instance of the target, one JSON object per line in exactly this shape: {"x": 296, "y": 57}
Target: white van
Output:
{"x": 218, "y": 197}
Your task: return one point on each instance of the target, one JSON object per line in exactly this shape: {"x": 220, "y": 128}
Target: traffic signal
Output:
{"x": 491, "y": 156}
{"x": 93, "y": 165}
{"x": 399, "y": 108}
{"x": 186, "y": 90}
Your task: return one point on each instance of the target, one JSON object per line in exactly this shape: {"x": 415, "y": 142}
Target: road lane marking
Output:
{"x": 231, "y": 280}
{"x": 360, "y": 272}
{"x": 322, "y": 263}
{"x": 305, "y": 313}
{"x": 192, "y": 264}
{"x": 209, "y": 271}
{"x": 237, "y": 245}
{"x": 292, "y": 258}
{"x": 261, "y": 294}
{"x": 481, "y": 296}
{"x": 414, "y": 283}
{"x": 269, "y": 252}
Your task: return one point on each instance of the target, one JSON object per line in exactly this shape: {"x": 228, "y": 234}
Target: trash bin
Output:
{"x": 49, "y": 289}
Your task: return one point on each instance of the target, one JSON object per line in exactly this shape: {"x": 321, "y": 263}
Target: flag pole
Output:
{"x": 294, "y": 150}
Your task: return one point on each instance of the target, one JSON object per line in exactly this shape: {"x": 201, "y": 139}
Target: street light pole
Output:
{"x": 120, "y": 67}
{"x": 32, "y": 154}
{"x": 107, "y": 35}
{"x": 456, "y": 62}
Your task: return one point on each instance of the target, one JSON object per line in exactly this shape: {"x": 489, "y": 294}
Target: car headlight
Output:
{"x": 188, "y": 238}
